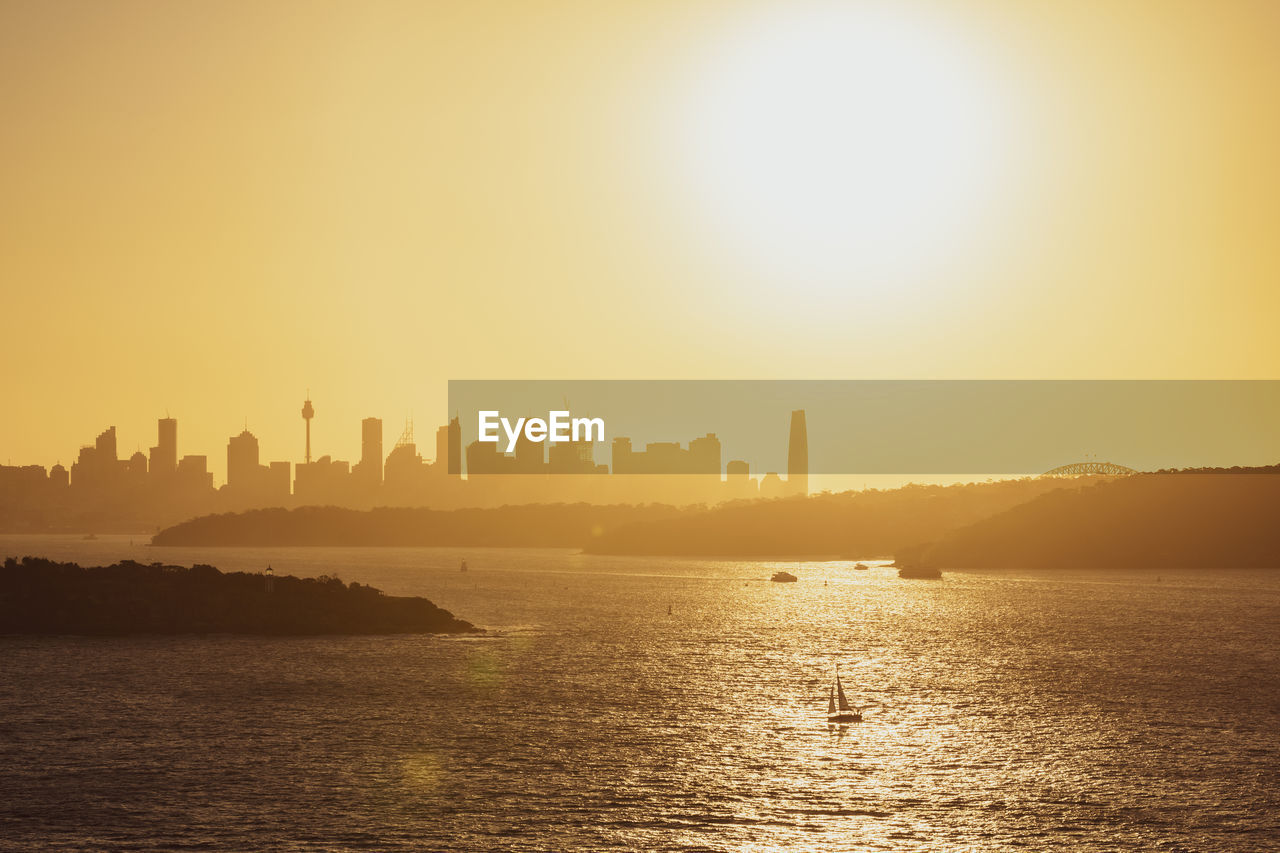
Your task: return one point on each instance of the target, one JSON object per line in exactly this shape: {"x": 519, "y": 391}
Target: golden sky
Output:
{"x": 208, "y": 208}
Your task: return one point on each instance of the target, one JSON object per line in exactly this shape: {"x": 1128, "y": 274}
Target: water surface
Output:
{"x": 1047, "y": 711}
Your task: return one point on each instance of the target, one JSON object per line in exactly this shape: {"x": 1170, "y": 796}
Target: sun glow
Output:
{"x": 843, "y": 144}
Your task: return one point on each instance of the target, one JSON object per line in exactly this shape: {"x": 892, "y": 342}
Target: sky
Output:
{"x": 211, "y": 210}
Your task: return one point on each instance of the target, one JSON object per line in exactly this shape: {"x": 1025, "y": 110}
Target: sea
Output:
{"x": 643, "y": 703}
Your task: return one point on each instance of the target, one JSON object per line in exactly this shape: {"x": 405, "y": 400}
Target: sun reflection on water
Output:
{"x": 681, "y": 704}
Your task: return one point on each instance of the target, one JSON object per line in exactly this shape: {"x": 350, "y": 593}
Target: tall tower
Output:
{"x": 307, "y": 414}
{"x": 164, "y": 456}
{"x": 106, "y": 446}
{"x": 449, "y": 448}
{"x": 798, "y": 455}
{"x": 371, "y": 449}
{"x": 242, "y": 461}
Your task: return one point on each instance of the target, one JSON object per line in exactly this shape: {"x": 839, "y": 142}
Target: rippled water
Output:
{"x": 1039, "y": 710}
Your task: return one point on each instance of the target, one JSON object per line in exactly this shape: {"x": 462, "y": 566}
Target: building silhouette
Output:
{"x": 242, "y": 461}
{"x": 193, "y": 474}
{"x": 405, "y": 466}
{"x": 573, "y": 457}
{"x": 667, "y": 457}
{"x": 136, "y": 467}
{"x": 308, "y": 412}
{"x": 449, "y": 448}
{"x": 531, "y": 456}
{"x": 798, "y": 455}
{"x": 323, "y": 482}
{"x": 772, "y": 486}
{"x": 100, "y": 491}
{"x": 483, "y": 458}
{"x": 250, "y": 483}
{"x": 164, "y": 456}
{"x": 738, "y": 482}
{"x": 368, "y": 471}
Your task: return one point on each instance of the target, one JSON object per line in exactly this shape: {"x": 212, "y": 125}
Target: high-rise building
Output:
{"x": 484, "y": 457}
{"x": 622, "y": 455}
{"x": 798, "y": 455}
{"x": 249, "y": 482}
{"x": 106, "y": 446}
{"x": 370, "y": 466}
{"x": 278, "y": 485}
{"x": 326, "y": 480}
{"x": 667, "y": 457}
{"x": 530, "y": 455}
{"x": 98, "y": 469}
{"x": 404, "y": 468}
{"x": 242, "y": 462}
{"x": 449, "y": 447}
{"x": 164, "y": 456}
{"x": 704, "y": 455}
{"x": 572, "y": 457}
{"x": 738, "y": 482}
{"x": 59, "y": 477}
{"x": 193, "y": 473}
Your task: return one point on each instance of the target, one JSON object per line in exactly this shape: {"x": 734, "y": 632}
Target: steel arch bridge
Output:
{"x": 1075, "y": 469}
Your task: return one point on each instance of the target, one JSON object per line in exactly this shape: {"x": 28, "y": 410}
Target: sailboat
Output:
{"x": 838, "y": 709}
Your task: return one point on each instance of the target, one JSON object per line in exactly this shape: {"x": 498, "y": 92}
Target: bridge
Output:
{"x": 1075, "y": 469}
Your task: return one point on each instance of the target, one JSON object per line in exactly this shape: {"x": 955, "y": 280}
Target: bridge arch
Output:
{"x": 1076, "y": 469}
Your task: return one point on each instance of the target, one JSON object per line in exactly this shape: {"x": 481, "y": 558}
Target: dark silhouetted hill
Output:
{"x": 43, "y": 597}
{"x": 1202, "y": 518}
{"x": 527, "y": 526}
{"x": 857, "y": 524}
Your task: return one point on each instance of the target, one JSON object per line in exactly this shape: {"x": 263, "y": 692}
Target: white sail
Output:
{"x": 844, "y": 703}
{"x": 831, "y": 701}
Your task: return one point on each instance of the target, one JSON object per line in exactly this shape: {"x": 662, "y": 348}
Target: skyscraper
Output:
{"x": 798, "y": 455}
{"x": 449, "y": 447}
{"x": 106, "y": 446}
{"x": 704, "y": 455}
{"x": 242, "y": 462}
{"x": 371, "y": 451}
{"x": 164, "y": 456}
{"x": 530, "y": 455}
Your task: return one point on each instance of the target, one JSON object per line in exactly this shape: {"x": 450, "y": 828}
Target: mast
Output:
{"x": 844, "y": 703}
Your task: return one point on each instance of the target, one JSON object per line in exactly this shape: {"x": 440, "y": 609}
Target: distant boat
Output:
{"x": 838, "y": 708}
{"x": 862, "y": 567}
{"x": 90, "y": 536}
{"x": 784, "y": 577}
{"x": 918, "y": 572}
{"x": 464, "y": 566}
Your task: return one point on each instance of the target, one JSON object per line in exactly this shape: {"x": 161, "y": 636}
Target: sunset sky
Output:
{"x": 208, "y": 209}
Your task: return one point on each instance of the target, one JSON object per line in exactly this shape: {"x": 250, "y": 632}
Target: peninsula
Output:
{"x": 1205, "y": 518}
{"x": 522, "y": 526}
{"x": 39, "y": 596}
{"x": 868, "y": 523}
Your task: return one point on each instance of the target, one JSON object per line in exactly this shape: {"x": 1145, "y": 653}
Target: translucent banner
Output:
{"x": 804, "y": 427}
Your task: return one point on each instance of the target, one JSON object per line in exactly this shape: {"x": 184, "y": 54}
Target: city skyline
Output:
{"x": 264, "y": 228}
{"x": 103, "y": 488}
{"x": 243, "y": 452}
{"x": 919, "y": 364}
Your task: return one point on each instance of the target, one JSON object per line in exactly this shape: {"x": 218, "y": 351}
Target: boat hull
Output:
{"x": 919, "y": 573}
{"x": 844, "y": 718}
